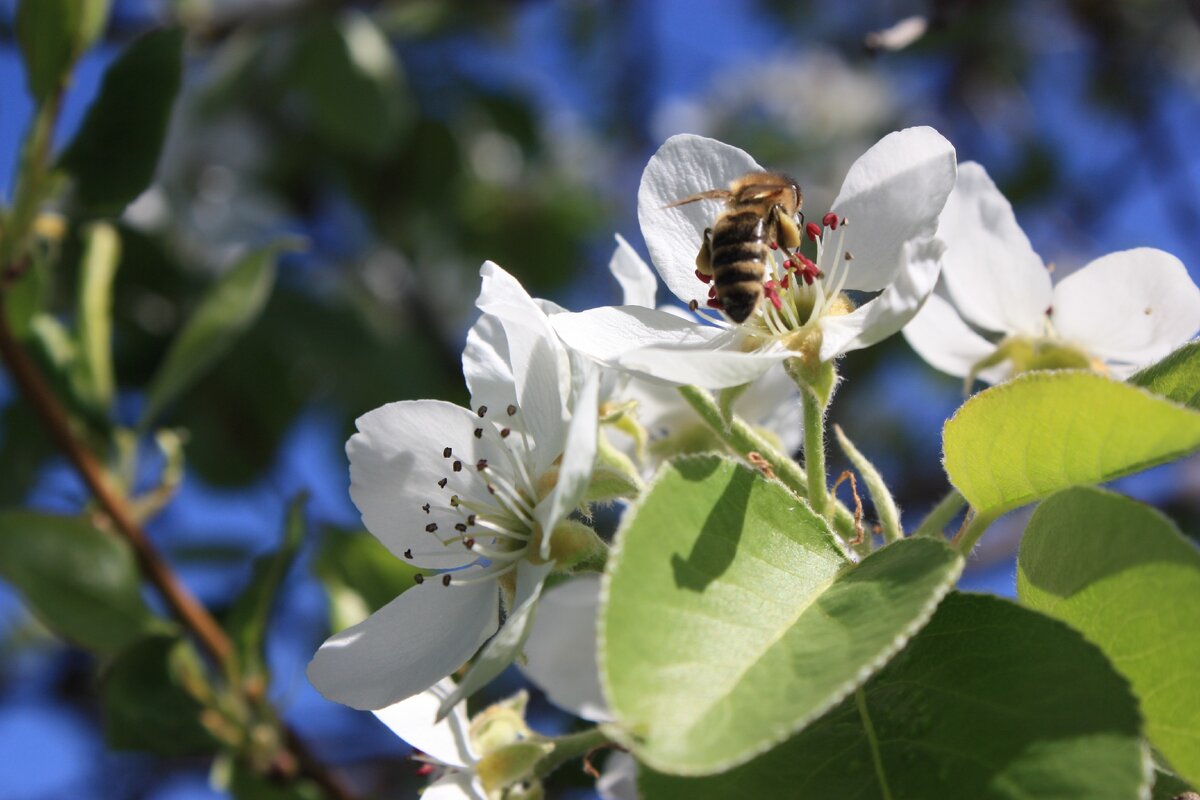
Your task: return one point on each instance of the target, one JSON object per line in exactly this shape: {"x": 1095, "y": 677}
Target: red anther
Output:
{"x": 712, "y": 292}
{"x": 774, "y": 245}
{"x": 813, "y": 230}
{"x": 425, "y": 770}
{"x": 1049, "y": 310}
{"x": 789, "y": 264}
{"x": 808, "y": 278}
{"x": 808, "y": 263}
{"x": 769, "y": 289}
{"x": 787, "y": 279}
{"x": 714, "y": 303}
{"x": 830, "y": 221}
{"x": 703, "y": 278}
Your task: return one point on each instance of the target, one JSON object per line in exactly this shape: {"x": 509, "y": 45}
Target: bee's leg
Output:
{"x": 787, "y": 232}
{"x": 704, "y": 257}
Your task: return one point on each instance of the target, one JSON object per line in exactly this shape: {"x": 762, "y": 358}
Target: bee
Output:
{"x": 761, "y": 210}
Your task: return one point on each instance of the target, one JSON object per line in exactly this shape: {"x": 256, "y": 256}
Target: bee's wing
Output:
{"x": 711, "y": 194}
{"x": 755, "y": 192}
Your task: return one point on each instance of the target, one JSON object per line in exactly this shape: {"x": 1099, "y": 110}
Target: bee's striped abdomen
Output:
{"x": 739, "y": 256}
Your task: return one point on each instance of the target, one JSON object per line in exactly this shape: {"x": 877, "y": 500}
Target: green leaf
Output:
{"x": 146, "y": 705}
{"x": 1176, "y": 377}
{"x": 732, "y": 617}
{"x": 94, "y": 322}
{"x": 229, "y": 308}
{"x": 115, "y": 152}
{"x": 1168, "y": 786}
{"x": 360, "y": 576}
{"x": 990, "y": 701}
{"x": 246, "y": 784}
{"x": 52, "y": 34}
{"x": 1123, "y": 575}
{"x": 80, "y": 581}
{"x": 251, "y": 612}
{"x": 1045, "y": 431}
{"x": 353, "y": 84}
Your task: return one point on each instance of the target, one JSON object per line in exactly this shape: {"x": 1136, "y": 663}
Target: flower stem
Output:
{"x": 977, "y": 523}
{"x": 939, "y": 516}
{"x": 744, "y": 440}
{"x": 568, "y": 748}
{"x": 814, "y": 451}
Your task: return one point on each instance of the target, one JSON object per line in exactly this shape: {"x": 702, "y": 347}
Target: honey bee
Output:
{"x": 761, "y": 210}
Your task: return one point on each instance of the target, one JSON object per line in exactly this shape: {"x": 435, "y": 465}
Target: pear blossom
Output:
{"x": 478, "y": 495}
{"x": 891, "y": 199}
{"x": 997, "y": 311}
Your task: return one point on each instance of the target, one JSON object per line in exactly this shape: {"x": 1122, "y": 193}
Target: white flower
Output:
{"x": 475, "y": 495}
{"x": 891, "y": 197}
{"x": 997, "y": 313}
{"x": 771, "y": 403}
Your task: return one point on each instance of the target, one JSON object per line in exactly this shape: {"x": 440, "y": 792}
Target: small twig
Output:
{"x": 859, "y": 533}
{"x": 588, "y": 767}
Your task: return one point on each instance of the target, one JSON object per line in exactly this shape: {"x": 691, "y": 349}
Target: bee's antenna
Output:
{"x": 711, "y": 194}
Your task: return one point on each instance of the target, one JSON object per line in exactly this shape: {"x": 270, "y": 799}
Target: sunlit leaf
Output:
{"x": 146, "y": 703}
{"x": 989, "y": 701}
{"x": 732, "y": 618}
{"x": 231, "y": 306}
{"x": 80, "y": 581}
{"x": 1123, "y": 575}
{"x": 115, "y": 152}
{"x": 1177, "y": 376}
{"x": 1045, "y": 431}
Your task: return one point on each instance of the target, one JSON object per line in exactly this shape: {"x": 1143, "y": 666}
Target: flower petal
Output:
{"x": 605, "y": 334}
{"x": 892, "y": 194}
{"x": 639, "y": 287}
{"x": 406, "y": 646}
{"x": 773, "y": 403}
{"x": 396, "y": 464}
{"x": 502, "y": 649}
{"x": 487, "y": 366}
{"x": 413, "y": 721}
{"x": 579, "y": 458}
{"x": 1134, "y": 306}
{"x": 706, "y": 366}
{"x": 947, "y": 343}
{"x": 888, "y": 312}
{"x": 561, "y": 650}
{"x": 540, "y": 366}
{"x": 455, "y": 786}
{"x": 685, "y": 165}
{"x": 990, "y": 270}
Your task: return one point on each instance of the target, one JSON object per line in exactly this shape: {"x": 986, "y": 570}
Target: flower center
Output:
{"x": 487, "y": 505}
{"x": 798, "y": 290}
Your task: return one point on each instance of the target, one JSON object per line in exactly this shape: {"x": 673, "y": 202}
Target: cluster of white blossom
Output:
{"x": 568, "y": 409}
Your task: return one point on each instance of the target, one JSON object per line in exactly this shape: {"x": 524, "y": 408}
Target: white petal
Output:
{"x": 773, "y": 402}
{"x": 940, "y": 336}
{"x": 887, "y": 313}
{"x": 561, "y": 650}
{"x": 455, "y": 786}
{"x": 406, "y": 646}
{"x": 685, "y": 165}
{"x": 487, "y": 366}
{"x": 619, "y": 779}
{"x": 707, "y": 366}
{"x": 892, "y": 194}
{"x": 413, "y": 721}
{"x": 607, "y": 333}
{"x": 991, "y": 272}
{"x": 1134, "y": 306}
{"x": 396, "y": 463}
{"x": 639, "y": 287}
{"x": 539, "y": 362}
{"x": 579, "y": 458}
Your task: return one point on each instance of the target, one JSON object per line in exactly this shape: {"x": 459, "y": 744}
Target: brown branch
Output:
{"x": 184, "y": 606}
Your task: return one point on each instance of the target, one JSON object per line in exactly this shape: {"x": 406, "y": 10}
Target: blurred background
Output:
{"x": 409, "y": 141}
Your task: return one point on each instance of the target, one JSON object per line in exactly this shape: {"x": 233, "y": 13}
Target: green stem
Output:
{"x": 743, "y": 440}
{"x": 860, "y": 698}
{"x": 31, "y": 181}
{"x": 935, "y": 522}
{"x": 977, "y": 523}
{"x": 568, "y": 748}
{"x": 814, "y": 452}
